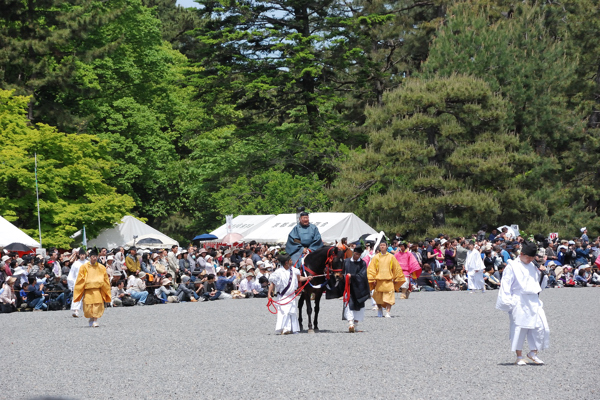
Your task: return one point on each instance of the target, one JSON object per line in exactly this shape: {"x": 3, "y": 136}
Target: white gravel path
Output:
{"x": 450, "y": 345}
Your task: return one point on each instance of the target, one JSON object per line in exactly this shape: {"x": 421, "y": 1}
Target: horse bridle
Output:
{"x": 328, "y": 264}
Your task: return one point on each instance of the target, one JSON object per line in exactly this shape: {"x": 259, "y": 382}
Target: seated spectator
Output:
{"x": 158, "y": 265}
{"x": 118, "y": 293}
{"x": 263, "y": 291}
{"x": 35, "y": 295}
{"x": 595, "y": 277}
{"x": 8, "y": 299}
{"x": 489, "y": 278}
{"x": 65, "y": 294}
{"x": 223, "y": 282}
{"x": 210, "y": 291}
{"x": 460, "y": 279}
{"x": 450, "y": 285}
{"x": 187, "y": 293}
{"x": 165, "y": 290}
{"x": 425, "y": 281}
{"x": 249, "y": 287}
{"x": 582, "y": 276}
{"x": 136, "y": 287}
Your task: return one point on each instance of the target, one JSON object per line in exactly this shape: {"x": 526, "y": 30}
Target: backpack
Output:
{"x": 54, "y": 305}
{"x": 128, "y": 301}
{"x": 151, "y": 300}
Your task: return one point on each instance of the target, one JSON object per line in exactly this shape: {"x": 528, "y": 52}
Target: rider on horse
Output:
{"x": 303, "y": 235}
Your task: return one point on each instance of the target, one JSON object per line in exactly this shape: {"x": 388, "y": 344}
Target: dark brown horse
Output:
{"x": 323, "y": 264}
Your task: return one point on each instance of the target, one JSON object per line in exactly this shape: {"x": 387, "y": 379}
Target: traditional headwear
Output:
{"x": 94, "y": 252}
{"x": 304, "y": 214}
{"x": 529, "y": 249}
{"x": 358, "y": 249}
{"x": 283, "y": 258}
{"x": 583, "y": 229}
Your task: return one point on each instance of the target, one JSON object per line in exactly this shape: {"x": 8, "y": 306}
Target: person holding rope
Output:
{"x": 284, "y": 281}
{"x": 357, "y": 284}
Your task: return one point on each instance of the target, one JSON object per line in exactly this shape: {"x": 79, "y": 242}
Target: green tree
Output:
{"x": 271, "y": 192}
{"x": 41, "y": 42}
{"x": 430, "y": 162}
{"x": 526, "y": 52}
{"x": 72, "y": 172}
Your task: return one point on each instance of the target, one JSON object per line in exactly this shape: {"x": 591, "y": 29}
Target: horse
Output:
{"x": 322, "y": 263}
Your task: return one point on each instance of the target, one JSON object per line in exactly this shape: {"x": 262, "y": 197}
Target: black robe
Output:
{"x": 359, "y": 284}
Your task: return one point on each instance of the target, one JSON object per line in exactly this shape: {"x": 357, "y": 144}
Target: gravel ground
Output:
{"x": 437, "y": 345}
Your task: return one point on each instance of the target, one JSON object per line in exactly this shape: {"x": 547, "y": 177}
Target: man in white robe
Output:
{"x": 522, "y": 281}
{"x": 474, "y": 267}
{"x": 284, "y": 281}
{"x": 76, "y": 305}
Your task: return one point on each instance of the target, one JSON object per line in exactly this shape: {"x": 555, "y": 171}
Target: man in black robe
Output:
{"x": 355, "y": 269}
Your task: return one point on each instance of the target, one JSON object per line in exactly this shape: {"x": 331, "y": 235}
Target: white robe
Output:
{"x": 71, "y": 278}
{"x": 287, "y": 314}
{"x": 519, "y": 296}
{"x": 474, "y": 263}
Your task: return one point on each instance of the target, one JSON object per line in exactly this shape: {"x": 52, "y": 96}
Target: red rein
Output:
{"x": 271, "y": 302}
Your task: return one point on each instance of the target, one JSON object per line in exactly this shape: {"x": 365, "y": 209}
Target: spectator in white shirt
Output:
{"x": 249, "y": 287}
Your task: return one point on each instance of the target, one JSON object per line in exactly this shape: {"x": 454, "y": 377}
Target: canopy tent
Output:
{"x": 11, "y": 234}
{"x": 242, "y": 224}
{"x": 123, "y": 233}
{"x": 333, "y": 226}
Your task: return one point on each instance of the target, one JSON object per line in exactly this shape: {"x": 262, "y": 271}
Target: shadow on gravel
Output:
{"x": 512, "y": 364}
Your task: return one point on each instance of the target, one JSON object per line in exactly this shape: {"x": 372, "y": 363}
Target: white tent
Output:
{"x": 122, "y": 233}
{"x": 11, "y": 234}
{"x": 242, "y": 224}
{"x": 333, "y": 226}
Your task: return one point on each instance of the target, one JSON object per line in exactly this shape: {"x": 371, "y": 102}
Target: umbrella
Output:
{"x": 17, "y": 247}
{"x": 152, "y": 240}
{"x": 233, "y": 238}
{"x": 149, "y": 242}
{"x": 205, "y": 236}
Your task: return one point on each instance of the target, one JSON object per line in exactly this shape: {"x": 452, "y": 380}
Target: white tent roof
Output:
{"x": 122, "y": 233}
{"x": 11, "y": 234}
{"x": 333, "y": 226}
{"x": 242, "y": 224}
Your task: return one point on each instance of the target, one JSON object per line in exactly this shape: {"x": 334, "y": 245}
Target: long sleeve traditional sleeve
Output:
{"x": 79, "y": 287}
{"x": 105, "y": 289}
{"x": 506, "y": 299}
{"x": 399, "y": 278}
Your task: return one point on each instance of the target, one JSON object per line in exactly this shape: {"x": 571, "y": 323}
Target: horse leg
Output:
{"x": 300, "y": 303}
{"x": 318, "y": 296}
{"x": 309, "y": 311}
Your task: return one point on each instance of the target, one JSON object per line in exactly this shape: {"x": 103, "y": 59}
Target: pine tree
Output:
{"x": 41, "y": 42}
{"x": 430, "y": 162}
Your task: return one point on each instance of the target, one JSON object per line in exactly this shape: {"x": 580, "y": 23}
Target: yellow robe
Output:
{"x": 385, "y": 277}
{"x": 92, "y": 281}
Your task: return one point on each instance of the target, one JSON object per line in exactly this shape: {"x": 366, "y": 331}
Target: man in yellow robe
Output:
{"x": 92, "y": 281}
{"x": 385, "y": 278}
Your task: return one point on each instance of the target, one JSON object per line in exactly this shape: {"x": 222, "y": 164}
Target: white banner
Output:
{"x": 228, "y": 219}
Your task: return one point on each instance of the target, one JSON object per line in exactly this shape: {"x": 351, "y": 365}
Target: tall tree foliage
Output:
{"x": 41, "y": 42}
{"x": 527, "y": 59}
{"x": 73, "y": 171}
{"x": 430, "y": 163}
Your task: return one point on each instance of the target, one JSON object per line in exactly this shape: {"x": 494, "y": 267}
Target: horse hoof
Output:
{"x": 316, "y": 329}
{"x": 311, "y": 331}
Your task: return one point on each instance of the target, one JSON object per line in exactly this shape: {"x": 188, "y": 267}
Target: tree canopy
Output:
{"x": 419, "y": 116}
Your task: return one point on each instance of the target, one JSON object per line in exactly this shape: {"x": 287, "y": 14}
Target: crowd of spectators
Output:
{"x": 147, "y": 277}
{"x": 139, "y": 276}
{"x": 570, "y": 262}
